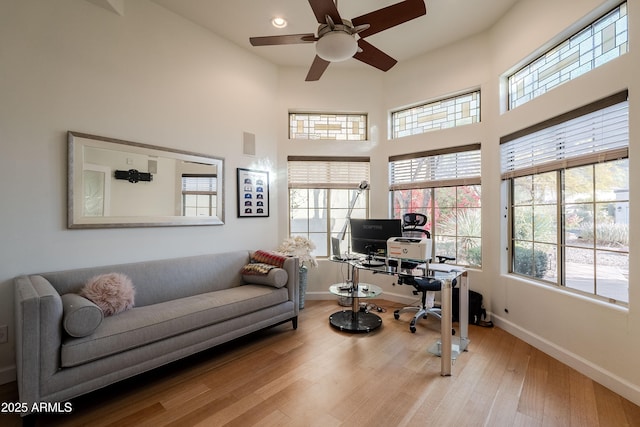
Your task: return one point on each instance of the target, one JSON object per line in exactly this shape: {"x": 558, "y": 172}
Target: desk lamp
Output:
{"x": 364, "y": 185}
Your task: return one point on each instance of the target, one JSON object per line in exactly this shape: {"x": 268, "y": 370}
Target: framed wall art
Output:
{"x": 253, "y": 193}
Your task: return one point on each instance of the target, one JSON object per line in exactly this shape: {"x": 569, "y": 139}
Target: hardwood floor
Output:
{"x": 318, "y": 376}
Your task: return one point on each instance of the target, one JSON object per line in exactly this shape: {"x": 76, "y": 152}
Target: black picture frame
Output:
{"x": 253, "y": 193}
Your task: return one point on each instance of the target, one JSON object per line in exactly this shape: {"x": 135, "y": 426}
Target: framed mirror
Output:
{"x": 116, "y": 183}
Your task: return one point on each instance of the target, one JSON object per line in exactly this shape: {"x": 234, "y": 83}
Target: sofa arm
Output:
{"x": 292, "y": 265}
{"x": 38, "y": 316}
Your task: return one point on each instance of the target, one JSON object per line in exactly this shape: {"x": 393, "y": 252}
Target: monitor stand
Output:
{"x": 370, "y": 261}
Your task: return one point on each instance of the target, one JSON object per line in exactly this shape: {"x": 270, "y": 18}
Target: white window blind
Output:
{"x": 458, "y": 166}
{"x": 323, "y": 172}
{"x": 573, "y": 140}
{"x": 199, "y": 183}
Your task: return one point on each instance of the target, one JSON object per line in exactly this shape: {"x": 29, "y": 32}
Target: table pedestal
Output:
{"x": 358, "y": 321}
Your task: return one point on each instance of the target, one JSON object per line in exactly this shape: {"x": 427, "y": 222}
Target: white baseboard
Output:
{"x": 7, "y": 374}
{"x": 613, "y": 382}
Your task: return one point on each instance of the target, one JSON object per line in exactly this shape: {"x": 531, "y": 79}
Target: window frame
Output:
{"x": 432, "y": 182}
{"x": 332, "y": 119}
{"x": 562, "y": 66}
{"x": 455, "y": 118}
{"x": 559, "y": 167}
{"x": 210, "y": 193}
{"x": 330, "y": 177}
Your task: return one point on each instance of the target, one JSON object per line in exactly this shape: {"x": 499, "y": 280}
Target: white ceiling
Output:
{"x": 446, "y": 21}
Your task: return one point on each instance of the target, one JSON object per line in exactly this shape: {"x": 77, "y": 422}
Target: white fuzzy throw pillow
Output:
{"x": 113, "y": 292}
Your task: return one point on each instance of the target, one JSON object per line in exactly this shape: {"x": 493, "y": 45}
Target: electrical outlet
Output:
{"x": 4, "y": 334}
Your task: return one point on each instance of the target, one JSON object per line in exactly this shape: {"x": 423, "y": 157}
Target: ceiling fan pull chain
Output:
{"x": 330, "y": 23}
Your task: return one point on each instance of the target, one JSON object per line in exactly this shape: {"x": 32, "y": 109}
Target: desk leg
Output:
{"x": 463, "y": 312}
{"x": 445, "y": 329}
{"x": 355, "y": 277}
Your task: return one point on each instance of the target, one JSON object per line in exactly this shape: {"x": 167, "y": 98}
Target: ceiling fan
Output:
{"x": 340, "y": 39}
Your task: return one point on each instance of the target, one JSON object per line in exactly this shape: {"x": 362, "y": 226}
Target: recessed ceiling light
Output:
{"x": 279, "y": 22}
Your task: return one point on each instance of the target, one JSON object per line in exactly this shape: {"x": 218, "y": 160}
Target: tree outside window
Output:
{"x": 456, "y": 213}
{"x": 445, "y": 186}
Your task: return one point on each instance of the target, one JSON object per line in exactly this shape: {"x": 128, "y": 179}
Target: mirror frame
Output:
{"x": 74, "y": 184}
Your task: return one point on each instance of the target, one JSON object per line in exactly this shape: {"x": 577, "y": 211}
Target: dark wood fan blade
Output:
{"x": 373, "y": 56}
{"x": 390, "y": 16}
{"x": 287, "y": 39}
{"x": 322, "y": 8}
{"x": 317, "y": 69}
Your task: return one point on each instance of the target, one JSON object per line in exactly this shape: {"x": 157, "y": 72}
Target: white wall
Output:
{"x": 148, "y": 76}
{"x": 594, "y": 337}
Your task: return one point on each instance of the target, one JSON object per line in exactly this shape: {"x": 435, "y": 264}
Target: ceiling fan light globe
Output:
{"x": 336, "y": 46}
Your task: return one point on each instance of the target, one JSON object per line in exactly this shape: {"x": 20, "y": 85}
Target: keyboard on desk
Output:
{"x": 373, "y": 262}
{"x": 345, "y": 258}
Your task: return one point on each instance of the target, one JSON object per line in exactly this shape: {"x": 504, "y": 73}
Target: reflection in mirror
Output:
{"x": 115, "y": 183}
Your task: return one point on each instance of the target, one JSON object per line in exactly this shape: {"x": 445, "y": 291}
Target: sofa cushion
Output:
{"x": 276, "y": 277}
{"x": 80, "y": 316}
{"x": 144, "y": 325}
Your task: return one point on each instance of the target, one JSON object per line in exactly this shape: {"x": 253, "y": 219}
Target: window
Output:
{"x": 328, "y": 126}
{"x": 598, "y": 43}
{"x": 321, "y": 192}
{"x": 199, "y": 195}
{"x": 445, "y": 186}
{"x": 569, "y": 199}
{"x": 446, "y": 113}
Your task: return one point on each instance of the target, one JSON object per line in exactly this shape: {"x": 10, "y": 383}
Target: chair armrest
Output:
{"x": 38, "y": 317}
{"x": 292, "y": 266}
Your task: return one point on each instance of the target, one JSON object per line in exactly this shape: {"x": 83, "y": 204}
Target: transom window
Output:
{"x": 568, "y": 181}
{"x": 445, "y": 186}
{"x": 601, "y": 41}
{"x": 321, "y": 191}
{"x": 328, "y": 126}
{"x": 445, "y": 113}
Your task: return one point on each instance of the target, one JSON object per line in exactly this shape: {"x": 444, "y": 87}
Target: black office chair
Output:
{"x": 412, "y": 226}
{"x": 422, "y": 285}
{"x": 413, "y": 223}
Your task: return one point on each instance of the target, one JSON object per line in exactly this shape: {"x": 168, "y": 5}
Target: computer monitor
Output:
{"x": 369, "y": 236}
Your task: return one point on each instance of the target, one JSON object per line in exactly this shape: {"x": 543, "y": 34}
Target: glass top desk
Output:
{"x": 355, "y": 320}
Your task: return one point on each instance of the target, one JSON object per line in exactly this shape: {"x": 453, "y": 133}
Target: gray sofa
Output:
{"x": 182, "y": 306}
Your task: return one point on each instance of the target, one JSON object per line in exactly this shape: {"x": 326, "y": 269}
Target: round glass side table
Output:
{"x": 355, "y": 320}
